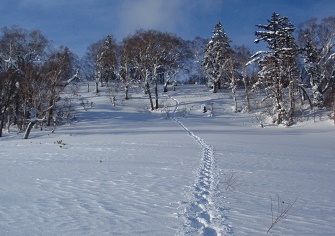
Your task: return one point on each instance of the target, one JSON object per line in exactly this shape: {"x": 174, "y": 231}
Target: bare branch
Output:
{"x": 231, "y": 180}
{"x": 284, "y": 209}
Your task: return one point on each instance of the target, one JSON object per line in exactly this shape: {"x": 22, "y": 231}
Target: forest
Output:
{"x": 295, "y": 71}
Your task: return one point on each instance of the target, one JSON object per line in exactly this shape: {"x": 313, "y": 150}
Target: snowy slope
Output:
{"x": 125, "y": 171}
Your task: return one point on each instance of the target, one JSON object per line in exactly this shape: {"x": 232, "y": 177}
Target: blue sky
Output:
{"x": 79, "y": 23}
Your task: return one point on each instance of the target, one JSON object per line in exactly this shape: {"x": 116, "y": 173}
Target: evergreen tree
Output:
{"x": 215, "y": 57}
{"x": 278, "y": 65}
{"x": 107, "y": 61}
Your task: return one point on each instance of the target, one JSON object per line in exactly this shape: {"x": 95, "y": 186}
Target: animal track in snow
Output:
{"x": 203, "y": 215}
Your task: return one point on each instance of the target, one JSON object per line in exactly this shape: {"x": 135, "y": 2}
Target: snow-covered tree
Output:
{"x": 89, "y": 60}
{"x": 173, "y": 59}
{"x": 107, "y": 61}
{"x": 57, "y": 70}
{"x": 32, "y": 75}
{"x": 19, "y": 51}
{"x": 193, "y": 61}
{"x": 126, "y": 65}
{"x": 278, "y": 67}
{"x": 232, "y": 76}
{"x": 318, "y": 41}
{"x": 140, "y": 59}
{"x": 216, "y": 55}
{"x": 242, "y": 56}
{"x": 151, "y": 56}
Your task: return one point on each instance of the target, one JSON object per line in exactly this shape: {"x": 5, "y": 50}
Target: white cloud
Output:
{"x": 165, "y": 15}
{"x": 147, "y": 14}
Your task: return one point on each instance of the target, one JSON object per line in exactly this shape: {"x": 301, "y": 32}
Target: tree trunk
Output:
{"x": 147, "y": 89}
{"x": 50, "y": 111}
{"x": 305, "y": 96}
{"x": 233, "y": 83}
{"x": 9, "y": 113}
{"x": 292, "y": 103}
{"x": 126, "y": 88}
{"x": 156, "y": 94}
{"x": 215, "y": 87}
{"x": 246, "y": 88}
{"x": 279, "y": 109}
{"x": 333, "y": 91}
{"x": 235, "y": 99}
{"x": 219, "y": 84}
{"x": 25, "y": 115}
{"x": 150, "y": 97}
{"x": 1, "y": 124}
{"x": 165, "y": 89}
{"x": 96, "y": 87}
{"x": 2, "y": 120}
{"x": 101, "y": 80}
{"x": 29, "y": 127}
{"x": 279, "y": 100}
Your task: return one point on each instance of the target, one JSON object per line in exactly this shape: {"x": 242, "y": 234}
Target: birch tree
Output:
{"x": 152, "y": 55}
{"x": 242, "y": 56}
{"x": 57, "y": 70}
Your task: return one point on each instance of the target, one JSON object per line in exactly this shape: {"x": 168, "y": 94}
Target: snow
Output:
{"x": 126, "y": 171}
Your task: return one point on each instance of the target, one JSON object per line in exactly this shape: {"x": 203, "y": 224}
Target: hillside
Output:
{"x": 178, "y": 171}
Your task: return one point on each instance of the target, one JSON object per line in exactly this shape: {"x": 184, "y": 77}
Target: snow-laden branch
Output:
{"x": 256, "y": 57}
{"x": 31, "y": 124}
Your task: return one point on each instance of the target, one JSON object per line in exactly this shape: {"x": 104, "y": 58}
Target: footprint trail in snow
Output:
{"x": 203, "y": 213}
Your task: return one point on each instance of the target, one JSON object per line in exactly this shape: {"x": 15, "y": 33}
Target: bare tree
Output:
{"x": 232, "y": 76}
{"x": 242, "y": 56}
{"x": 231, "y": 180}
{"x": 89, "y": 61}
{"x": 57, "y": 69}
{"x": 317, "y": 41}
{"x": 173, "y": 56}
{"x": 196, "y": 56}
{"x": 20, "y": 51}
{"x": 283, "y": 209}
{"x": 151, "y": 55}
{"x": 128, "y": 70}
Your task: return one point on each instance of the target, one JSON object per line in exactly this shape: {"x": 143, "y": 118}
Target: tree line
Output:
{"x": 146, "y": 59}
{"x": 297, "y": 66}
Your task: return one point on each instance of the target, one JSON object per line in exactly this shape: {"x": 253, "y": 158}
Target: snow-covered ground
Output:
{"x": 125, "y": 171}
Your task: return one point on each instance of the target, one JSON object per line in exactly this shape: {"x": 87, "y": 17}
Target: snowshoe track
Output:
{"x": 202, "y": 213}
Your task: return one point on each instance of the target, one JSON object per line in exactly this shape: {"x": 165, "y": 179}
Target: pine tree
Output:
{"x": 278, "y": 65}
{"x": 215, "y": 57}
{"x": 106, "y": 61}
